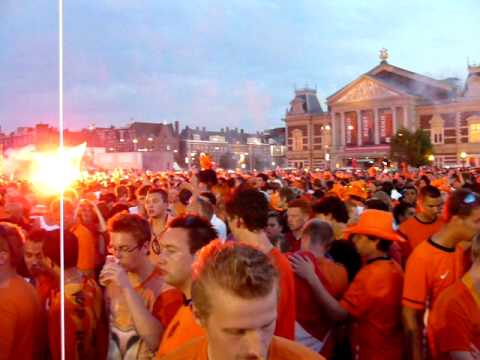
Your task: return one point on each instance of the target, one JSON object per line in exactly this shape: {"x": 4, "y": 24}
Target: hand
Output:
{"x": 195, "y": 184}
{"x": 115, "y": 273}
{"x": 303, "y": 267}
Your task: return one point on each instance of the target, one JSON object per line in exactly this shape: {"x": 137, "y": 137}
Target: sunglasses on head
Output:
{"x": 470, "y": 198}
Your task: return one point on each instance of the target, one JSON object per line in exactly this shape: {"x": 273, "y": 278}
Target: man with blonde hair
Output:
{"x": 234, "y": 294}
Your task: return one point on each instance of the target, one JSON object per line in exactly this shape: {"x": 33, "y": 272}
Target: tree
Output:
{"x": 412, "y": 148}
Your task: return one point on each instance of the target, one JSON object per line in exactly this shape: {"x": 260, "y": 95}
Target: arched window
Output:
{"x": 474, "y": 129}
{"x": 297, "y": 140}
{"x": 436, "y": 132}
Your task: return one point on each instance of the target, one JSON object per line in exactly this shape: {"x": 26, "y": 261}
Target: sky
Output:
{"x": 214, "y": 63}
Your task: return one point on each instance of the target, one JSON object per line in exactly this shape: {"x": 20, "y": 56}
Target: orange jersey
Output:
{"x": 286, "y": 305}
{"x": 310, "y": 315}
{"x": 416, "y": 231}
{"x": 454, "y": 322}
{"x": 182, "y": 328}
{"x": 373, "y": 300}
{"x": 124, "y": 340}
{"x": 83, "y": 317}
{"x": 280, "y": 349}
{"x": 430, "y": 269}
{"x": 21, "y": 320}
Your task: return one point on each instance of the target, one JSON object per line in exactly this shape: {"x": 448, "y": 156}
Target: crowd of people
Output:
{"x": 220, "y": 265}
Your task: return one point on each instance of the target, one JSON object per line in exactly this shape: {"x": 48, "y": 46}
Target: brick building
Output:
{"x": 364, "y": 115}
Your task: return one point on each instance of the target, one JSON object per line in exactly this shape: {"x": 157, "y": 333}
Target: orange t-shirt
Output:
{"x": 430, "y": 269}
{"x": 86, "y": 248}
{"x": 44, "y": 286}
{"x": 21, "y": 336}
{"x": 167, "y": 305}
{"x": 280, "y": 349}
{"x": 416, "y": 231}
{"x": 286, "y": 305}
{"x": 181, "y": 329}
{"x": 310, "y": 315}
{"x": 373, "y": 300}
{"x": 454, "y": 323}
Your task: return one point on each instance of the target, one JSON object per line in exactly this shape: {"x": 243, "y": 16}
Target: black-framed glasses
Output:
{"x": 122, "y": 249}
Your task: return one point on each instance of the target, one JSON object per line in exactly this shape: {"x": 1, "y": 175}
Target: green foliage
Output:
{"x": 412, "y": 148}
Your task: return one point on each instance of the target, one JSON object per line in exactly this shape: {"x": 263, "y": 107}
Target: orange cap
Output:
{"x": 376, "y": 223}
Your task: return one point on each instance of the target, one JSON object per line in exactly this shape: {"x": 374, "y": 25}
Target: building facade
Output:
{"x": 233, "y": 148}
{"x": 365, "y": 114}
{"x": 308, "y": 132}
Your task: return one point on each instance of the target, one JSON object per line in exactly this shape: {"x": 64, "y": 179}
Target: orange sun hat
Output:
{"x": 376, "y": 223}
{"x": 358, "y": 189}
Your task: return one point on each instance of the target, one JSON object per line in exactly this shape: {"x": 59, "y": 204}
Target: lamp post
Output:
{"x": 463, "y": 155}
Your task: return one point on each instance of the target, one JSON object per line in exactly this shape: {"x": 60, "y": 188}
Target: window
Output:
{"x": 474, "y": 129}
{"x": 297, "y": 136}
{"x": 437, "y": 130}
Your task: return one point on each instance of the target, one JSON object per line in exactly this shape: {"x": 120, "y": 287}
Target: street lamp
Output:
{"x": 431, "y": 158}
{"x": 350, "y": 127}
{"x": 463, "y": 155}
{"x": 327, "y": 127}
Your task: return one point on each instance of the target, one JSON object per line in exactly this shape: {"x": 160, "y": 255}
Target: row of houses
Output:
{"x": 165, "y": 141}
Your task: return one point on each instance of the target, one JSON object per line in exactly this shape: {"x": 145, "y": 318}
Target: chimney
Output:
{"x": 177, "y": 127}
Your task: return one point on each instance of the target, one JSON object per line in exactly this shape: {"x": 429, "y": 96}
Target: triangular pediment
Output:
{"x": 364, "y": 89}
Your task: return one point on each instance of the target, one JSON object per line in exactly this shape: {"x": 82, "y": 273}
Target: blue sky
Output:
{"x": 214, "y": 63}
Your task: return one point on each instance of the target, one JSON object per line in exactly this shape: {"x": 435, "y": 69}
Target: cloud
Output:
{"x": 215, "y": 63}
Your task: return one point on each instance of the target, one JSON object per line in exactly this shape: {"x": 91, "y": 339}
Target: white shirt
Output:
{"x": 220, "y": 226}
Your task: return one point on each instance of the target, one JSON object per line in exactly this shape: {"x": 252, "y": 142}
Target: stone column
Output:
{"x": 394, "y": 120}
{"x": 342, "y": 130}
{"x": 359, "y": 128}
{"x": 333, "y": 131}
{"x": 376, "y": 122}
{"x": 406, "y": 125}
{"x": 458, "y": 139}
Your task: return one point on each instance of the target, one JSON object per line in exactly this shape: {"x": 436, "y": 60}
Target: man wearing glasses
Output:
{"x": 438, "y": 263}
{"x": 140, "y": 303}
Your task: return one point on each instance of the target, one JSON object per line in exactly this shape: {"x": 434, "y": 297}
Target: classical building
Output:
{"x": 365, "y": 114}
